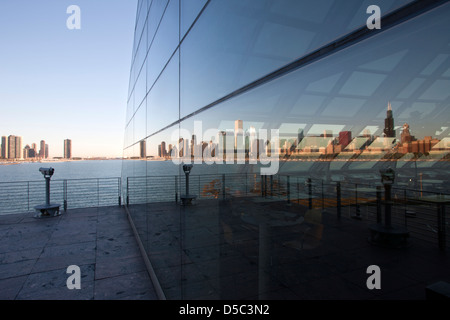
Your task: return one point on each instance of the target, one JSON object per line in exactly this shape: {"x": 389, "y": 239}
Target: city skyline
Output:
{"x": 13, "y": 148}
{"x": 329, "y": 144}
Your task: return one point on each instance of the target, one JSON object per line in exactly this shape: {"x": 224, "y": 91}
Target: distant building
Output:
{"x": 406, "y": 136}
{"x": 162, "y": 151}
{"x": 46, "y": 151}
{"x": 11, "y": 147}
{"x": 14, "y": 147}
{"x": 389, "y": 131}
{"x": 238, "y": 133}
{"x": 67, "y": 149}
{"x": 345, "y": 137}
{"x": 42, "y": 149}
{"x": 4, "y": 153}
{"x": 143, "y": 149}
{"x": 18, "y": 147}
{"x": 26, "y": 152}
{"x": 32, "y": 152}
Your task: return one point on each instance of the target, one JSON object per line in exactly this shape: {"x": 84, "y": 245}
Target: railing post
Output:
{"x": 387, "y": 199}
{"x": 223, "y": 185}
{"x": 119, "y": 187}
{"x": 288, "y": 190}
{"x": 262, "y": 186}
{"x": 271, "y": 186}
{"x": 441, "y": 225}
{"x": 338, "y": 199}
{"x": 98, "y": 192}
{"x": 28, "y": 195}
{"x": 128, "y": 195}
{"x": 65, "y": 194}
{"x": 246, "y": 178}
{"x": 323, "y": 200}
{"x": 357, "y": 213}
{"x": 378, "y": 204}
{"x": 406, "y": 210}
{"x": 176, "y": 189}
{"x": 309, "y": 184}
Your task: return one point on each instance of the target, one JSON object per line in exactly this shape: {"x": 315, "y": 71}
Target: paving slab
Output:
{"x": 36, "y": 252}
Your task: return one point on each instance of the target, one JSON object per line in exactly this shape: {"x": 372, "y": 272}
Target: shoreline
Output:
{"x": 12, "y": 162}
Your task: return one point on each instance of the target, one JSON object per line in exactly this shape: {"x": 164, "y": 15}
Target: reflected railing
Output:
{"x": 243, "y": 230}
{"x": 421, "y": 211}
{"x": 23, "y": 196}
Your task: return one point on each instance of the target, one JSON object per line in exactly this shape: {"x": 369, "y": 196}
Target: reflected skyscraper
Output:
{"x": 143, "y": 149}
{"x": 389, "y": 131}
{"x": 238, "y": 132}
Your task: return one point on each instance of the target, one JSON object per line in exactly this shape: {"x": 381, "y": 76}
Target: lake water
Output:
{"x": 29, "y": 171}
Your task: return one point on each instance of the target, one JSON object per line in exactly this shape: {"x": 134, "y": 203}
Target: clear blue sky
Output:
{"x": 57, "y": 83}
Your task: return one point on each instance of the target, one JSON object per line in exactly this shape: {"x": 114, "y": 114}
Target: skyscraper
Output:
{"x": 18, "y": 142}
{"x": 42, "y": 149}
{"x": 13, "y": 147}
{"x": 4, "y": 154}
{"x": 345, "y": 137}
{"x": 26, "y": 152}
{"x": 67, "y": 148}
{"x": 389, "y": 123}
{"x": 163, "y": 151}
{"x": 143, "y": 149}
{"x": 238, "y": 133}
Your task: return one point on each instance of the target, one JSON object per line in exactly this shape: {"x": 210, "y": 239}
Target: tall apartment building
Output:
{"x": 67, "y": 149}
{"x": 42, "y": 150}
{"x": 4, "y": 143}
{"x": 14, "y": 147}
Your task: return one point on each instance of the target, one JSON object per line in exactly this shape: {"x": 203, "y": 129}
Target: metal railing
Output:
{"x": 146, "y": 189}
{"x": 421, "y": 212}
{"x": 23, "y": 196}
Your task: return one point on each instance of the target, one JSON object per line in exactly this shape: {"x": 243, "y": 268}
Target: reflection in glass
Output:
{"x": 342, "y": 117}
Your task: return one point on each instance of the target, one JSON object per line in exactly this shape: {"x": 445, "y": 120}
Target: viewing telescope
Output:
{"x": 47, "y": 171}
{"x": 47, "y": 209}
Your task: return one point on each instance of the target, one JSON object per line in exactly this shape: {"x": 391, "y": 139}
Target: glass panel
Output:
{"x": 130, "y": 109}
{"x": 189, "y": 12}
{"x": 165, "y": 42}
{"x": 140, "y": 122}
{"x": 261, "y": 36}
{"x": 140, "y": 90}
{"x": 154, "y": 18}
{"x": 140, "y": 27}
{"x": 162, "y": 100}
{"x": 138, "y": 69}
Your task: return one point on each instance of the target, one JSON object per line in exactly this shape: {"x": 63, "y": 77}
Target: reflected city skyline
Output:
{"x": 326, "y": 146}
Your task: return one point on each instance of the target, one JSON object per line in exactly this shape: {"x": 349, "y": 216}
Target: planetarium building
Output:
{"x": 246, "y": 118}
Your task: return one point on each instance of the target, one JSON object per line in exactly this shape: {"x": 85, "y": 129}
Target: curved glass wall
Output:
{"x": 256, "y": 91}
